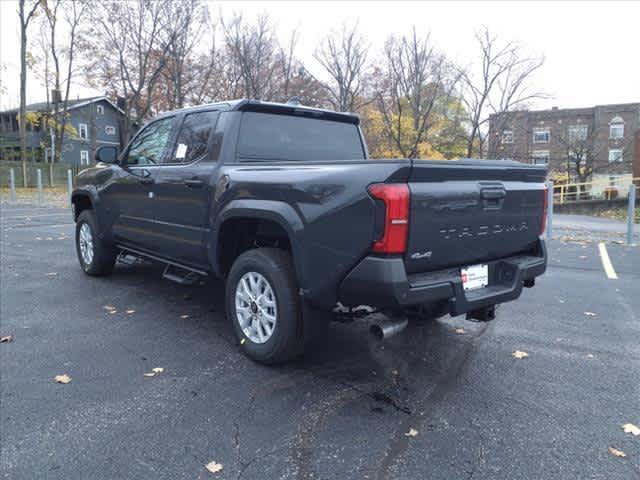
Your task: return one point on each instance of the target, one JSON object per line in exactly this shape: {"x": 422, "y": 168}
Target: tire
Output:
{"x": 251, "y": 305}
{"x": 102, "y": 258}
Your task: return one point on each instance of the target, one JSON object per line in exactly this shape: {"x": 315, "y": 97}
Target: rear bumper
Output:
{"x": 383, "y": 282}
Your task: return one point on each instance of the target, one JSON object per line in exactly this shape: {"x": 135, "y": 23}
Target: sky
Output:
{"x": 591, "y": 48}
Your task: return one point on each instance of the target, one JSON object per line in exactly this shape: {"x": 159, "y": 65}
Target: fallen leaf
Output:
{"x": 242, "y": 341}
{"x": 157, "y": 370}
{"x": 411, "y": 433}
{"x": 460, "y": 331}
{"x": 616, "y": 453}
{"x": 394, "y": 372}
{"x": 561, "y": 301}
{"x": 631, "y": 428}
{"x": 590, "y": 355}
{"x": 150, "y": 374}
{"x": 52, "y": 274}
{"x": 38, "y": 238}
{"x": 520, "y": 354}
{"x": 184, "y": 317}
{"x": 112, "y": 312}
{"x": 62, "y": 378}
{"x": 131, "y": 311}
{"x": 213, "y": 467}
{"x": 6, "y": 339}
{"x": 49, "y": 238}
{"x": 590, "y": 314}
{"x": 109, "y": 307}
{"x": 583, "y": 257}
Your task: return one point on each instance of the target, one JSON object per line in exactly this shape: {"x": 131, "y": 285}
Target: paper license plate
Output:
{"x": 475, "y": 276}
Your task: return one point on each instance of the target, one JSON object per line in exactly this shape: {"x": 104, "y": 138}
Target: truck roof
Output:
{"x": 247, "y": 105}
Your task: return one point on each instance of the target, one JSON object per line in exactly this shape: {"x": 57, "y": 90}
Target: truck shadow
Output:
{"x": 348, "y": 350}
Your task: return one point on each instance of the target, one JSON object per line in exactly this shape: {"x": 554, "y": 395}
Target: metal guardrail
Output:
{"x": 615, "y": 186}
{"x": 39, "y": 186}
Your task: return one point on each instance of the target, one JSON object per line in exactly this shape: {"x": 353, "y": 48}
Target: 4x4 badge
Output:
{"x": 419, "y": 255}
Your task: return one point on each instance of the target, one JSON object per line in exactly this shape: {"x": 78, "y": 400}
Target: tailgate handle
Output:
{"x": 492, "y": 198}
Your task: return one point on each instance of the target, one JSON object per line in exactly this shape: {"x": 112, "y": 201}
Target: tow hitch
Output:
{"x": 484, "y": 314}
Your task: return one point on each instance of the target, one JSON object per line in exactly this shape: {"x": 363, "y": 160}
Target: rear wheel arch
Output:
{"x": 239, "y": 233}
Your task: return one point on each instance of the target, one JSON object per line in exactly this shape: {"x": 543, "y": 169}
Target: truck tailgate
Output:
{"x": 469, "y": 211}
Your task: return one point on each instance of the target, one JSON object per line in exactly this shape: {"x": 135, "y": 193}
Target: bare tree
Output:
{"x": 415, "y": 77}
{"x": 189, "y": 23}
{"x": 26, "y": 12}
{"x": 500, "y": 84}
{"x": 207, "y": 71}
{"x": 343, "y": 55}
{"x": 582, "y": 148}
{"x": 128, "y": 44}
{"x": 288, "y": 65}
{"x": 251, "y": 49}
{"x": 62, "y": 55}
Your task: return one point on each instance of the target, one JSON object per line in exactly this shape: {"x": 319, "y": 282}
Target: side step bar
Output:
{"x": 180, "y": 275}
{"x": 174, "y": 271}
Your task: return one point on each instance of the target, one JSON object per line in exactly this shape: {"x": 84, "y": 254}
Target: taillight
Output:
{"x": 545, "y": 207}
{"x": 396, "y": 216}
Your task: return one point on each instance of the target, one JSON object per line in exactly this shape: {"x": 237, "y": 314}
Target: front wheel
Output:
{"x": 95, "y": 256}
{"x": 263, "y": 305}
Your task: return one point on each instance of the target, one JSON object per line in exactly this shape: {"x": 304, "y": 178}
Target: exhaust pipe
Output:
{"x": 387, "y": 327}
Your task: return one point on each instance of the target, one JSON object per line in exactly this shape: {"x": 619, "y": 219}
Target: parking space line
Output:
{"x": 606, "y": 262}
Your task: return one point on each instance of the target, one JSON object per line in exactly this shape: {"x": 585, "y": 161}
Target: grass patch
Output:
{"x": 618, "y": 214}
{"x": 52, "y": 196}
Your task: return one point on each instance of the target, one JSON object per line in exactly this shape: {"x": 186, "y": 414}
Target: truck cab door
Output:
{"x": 131, "y": 194}
{"x": 183, "y": 190}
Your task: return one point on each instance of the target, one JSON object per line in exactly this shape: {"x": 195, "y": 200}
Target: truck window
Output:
{"x": 193, "y": 137}
{"x": 149, "y": 147}
{"x": 267, "y": 136}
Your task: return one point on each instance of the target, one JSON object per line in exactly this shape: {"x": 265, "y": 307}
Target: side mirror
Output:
{"x": 107, "y": 154}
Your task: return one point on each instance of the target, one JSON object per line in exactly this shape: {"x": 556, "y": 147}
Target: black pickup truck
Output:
{"x": 283, "y": 202}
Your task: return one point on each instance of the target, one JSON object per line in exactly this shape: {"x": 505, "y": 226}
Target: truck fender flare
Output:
{"x": 278, "y": 212}
{"x": 90, "y": 193}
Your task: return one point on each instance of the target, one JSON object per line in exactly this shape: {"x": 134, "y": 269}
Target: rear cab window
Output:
{"x": 290, "y": 138}
{"x": 193, "y": 138}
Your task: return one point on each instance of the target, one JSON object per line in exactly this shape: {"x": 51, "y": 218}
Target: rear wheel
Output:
{"x": 263, "y": 305}
{"x": 96, "y": 257}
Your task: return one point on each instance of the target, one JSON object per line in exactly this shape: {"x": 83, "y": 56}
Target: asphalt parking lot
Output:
{"x": 343, "y": 412}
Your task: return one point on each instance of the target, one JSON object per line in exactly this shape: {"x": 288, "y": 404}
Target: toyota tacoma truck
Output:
{"x": 282, "y": 202}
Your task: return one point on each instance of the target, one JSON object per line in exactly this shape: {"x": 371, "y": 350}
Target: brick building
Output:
{"x": 604, "y": 139}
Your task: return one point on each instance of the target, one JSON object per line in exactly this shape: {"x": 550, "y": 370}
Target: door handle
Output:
{"x": 194, "y": 183}
{"x": 146, "y": 180}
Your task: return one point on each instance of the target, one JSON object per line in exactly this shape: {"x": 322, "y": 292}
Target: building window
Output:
{"x": 616, "y": 130}
{"x": 83, "y": 131}
{"x": 615, "y": 155}
{"x": 507, "y": 136}
{"x": 84, "y": 157}
{"x": 541, "y": 135}
{"x": 110, "y": 130}
{"x": 577, "y": 133}
{"x": 100, "y": 109}
{"x": 540, "y": 157}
